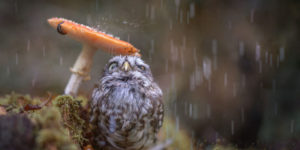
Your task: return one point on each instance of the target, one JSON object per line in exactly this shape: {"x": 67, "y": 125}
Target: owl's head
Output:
{"x": 127, "y": 70}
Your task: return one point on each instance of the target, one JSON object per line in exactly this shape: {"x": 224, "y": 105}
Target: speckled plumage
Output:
{"x": 127, "y": 106}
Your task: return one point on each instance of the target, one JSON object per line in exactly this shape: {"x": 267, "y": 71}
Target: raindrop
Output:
{"x": 234, "y": 90}
{"x": 198, "y": 76}
{"x": 33, "y": 81}
{"x": 167, "y": 132}
{"x": 241, "y": 48}
{"x": 257, "y": 52}
{"x": 16, "y": 6}
{"x": 274, "y": 86}
{"x": 187, "y": 18}
{"x": 173, "y": 81}
{"x": 208, "y": 111}
{"x": 44, "y": 51}
{"x": 215, "y": 63}
{"x": 128, "y": 38}
{"x": 124, "y": 22}
{"x": 152, "y": 12}
{"x": 174, "y": 50}
{"x": 171, "y": 25}
{"x": 192, "y": 144}
{"x": 182, "y": 59}
{"x": 177, "y": 3}
{"x": 232, "y": 127}
{"x": 185, "y": 108}
{"x": 260, "y": 66}
{"x": 190, "y": 110}
{"x": 281, "y": 53}
{"x": 275, "y": 109}
{"x": 225, "y": 79}
{"x": 110, "y": 35}
{"x": 184, "y": 42}
{"x": 17, "y": 59}
{"x": 209, "y": 86}
{"x": 266, "y": 57}
{"x": 243, "y": 80}
{"x": 214, "y": 47}
{"x": 229, "y": 23}
{"x": 152, "y": 46}
{"x": 192, "y": 82}
{"x": 243, "y": 114}
{"x": 97, "y": 3}
{"x": 252, "y": 15}
{"x": 192, "y": 10}
{"x": 207, "y": 67}
{"x": 8, "y": 71}
{"x": 175, "y": 108}
{"x": 28, "y": 45}
{"x": 167, "y": 65}
{"x": 292, "y": 126}
{"x": 271, "y": 60}
{"x": 147, "y": 10}
{"x": 195, "y": 56}
{"x": 60, "y": 60}
{"x": 177, "y": 124}
{"x": 89, "y": 19}
{"x": 277, "y": 62}
{"x": 181, "y": 17}
{"x": 161, "y": 4}
{"x": 195, "y": 112}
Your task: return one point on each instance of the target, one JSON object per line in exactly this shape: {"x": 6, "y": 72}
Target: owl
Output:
{"x": 127, "y": 107}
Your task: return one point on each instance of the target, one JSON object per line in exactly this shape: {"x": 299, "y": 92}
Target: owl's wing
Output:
{"x": 158, "y": 115}
{"x": 96, "y": 96}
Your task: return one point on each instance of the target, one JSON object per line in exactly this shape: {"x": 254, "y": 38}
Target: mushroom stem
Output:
{"x": 80, "y": 70}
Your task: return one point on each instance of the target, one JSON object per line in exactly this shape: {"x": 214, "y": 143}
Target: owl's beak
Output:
{"x": 126, "y": 66}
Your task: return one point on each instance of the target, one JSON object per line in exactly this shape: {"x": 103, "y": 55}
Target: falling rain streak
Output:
{"x": 206, "y": 58}
{"x": 44, "y": 51}
{"x": 8, "y": 71}
{"x": 28, "y": 45}
{"x": 206, "y": 64}
{"x": 225, "y": 79}
{"x": 241, "y": 48}
{"x": 17, "y": 58}
{"x": 61, "y": 60}
{"x": 257, "y": 52}
{"x": 243, "y": 114}
{"x": 292, "y": 126}
{"x": 208, "y": 111}
{"x": 232, "y": 127}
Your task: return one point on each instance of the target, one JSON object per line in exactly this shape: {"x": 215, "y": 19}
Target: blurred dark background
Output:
{"x": 230, "y": 70}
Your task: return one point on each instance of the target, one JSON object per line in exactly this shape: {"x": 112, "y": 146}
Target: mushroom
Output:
{"x": 92, "y": 40}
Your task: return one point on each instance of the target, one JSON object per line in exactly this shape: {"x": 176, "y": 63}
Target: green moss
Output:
{"x": 70, "y": 111}
{"x": 50, "y": 131}
{"x": 60, "y": 125}
{"x": 180, "y": 139}
{"x": 50, "y": 124}
{"x": 223, "y": 147}
{"x": 14, "y": 103}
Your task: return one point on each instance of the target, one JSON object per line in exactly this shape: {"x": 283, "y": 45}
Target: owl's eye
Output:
{"x": 112, "y": 66}
{"x": 141, "y": 67}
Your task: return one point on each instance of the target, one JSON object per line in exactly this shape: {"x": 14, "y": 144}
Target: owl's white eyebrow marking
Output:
{"x": 139, "y": 61}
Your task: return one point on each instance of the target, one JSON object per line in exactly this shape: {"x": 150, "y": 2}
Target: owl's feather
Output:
{"x": 127, "y": 106}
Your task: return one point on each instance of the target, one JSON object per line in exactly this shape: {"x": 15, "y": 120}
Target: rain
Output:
{"x": 229, "y": 71}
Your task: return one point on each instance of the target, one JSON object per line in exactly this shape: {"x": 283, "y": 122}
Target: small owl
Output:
{"x": 127, "y": 107}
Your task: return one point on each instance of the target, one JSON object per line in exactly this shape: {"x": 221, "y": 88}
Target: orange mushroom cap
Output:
{"x": 92, "y": 37}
